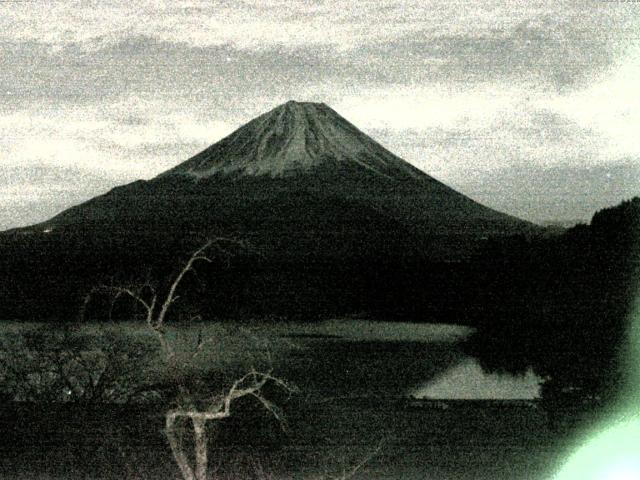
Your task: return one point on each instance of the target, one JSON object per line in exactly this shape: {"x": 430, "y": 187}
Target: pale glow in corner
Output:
{"x": 614, "y": 452}
{"x": 624, "y": 472}
{"x": 611, "y": 455}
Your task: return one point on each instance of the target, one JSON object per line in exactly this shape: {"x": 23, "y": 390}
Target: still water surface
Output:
{"x": 462, "y": 378}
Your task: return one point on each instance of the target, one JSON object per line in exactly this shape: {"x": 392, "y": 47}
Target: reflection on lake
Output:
{"x": 361, "y": 357}
{"x": 466, "y": 380}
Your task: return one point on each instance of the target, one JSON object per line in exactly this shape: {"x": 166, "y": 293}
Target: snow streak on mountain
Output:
{"x": 295, "y": 137}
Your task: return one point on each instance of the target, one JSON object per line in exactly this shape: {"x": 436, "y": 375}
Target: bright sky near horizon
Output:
{"x": 532, "y": 108}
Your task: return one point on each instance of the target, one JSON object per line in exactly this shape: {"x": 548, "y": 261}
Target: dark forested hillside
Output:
{"x": 561, "y": 305}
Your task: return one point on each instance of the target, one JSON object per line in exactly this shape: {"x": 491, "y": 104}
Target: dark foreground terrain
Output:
{"x": 352, "y": 409}
{"x": 388, "y": 438}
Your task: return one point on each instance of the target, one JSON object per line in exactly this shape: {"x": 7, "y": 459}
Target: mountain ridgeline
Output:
{"x": 336, "y": 223}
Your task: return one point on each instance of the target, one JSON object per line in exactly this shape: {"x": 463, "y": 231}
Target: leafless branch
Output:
{"x": 219, "y": 407}
{"x": 249, "y": 384}
{"x": 196, "y": 256}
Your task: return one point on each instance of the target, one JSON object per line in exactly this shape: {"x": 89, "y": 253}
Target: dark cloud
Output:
{"x": 546, "y": 51}
{"x": 557, "y": 53}
{"x": 221, "y": 76}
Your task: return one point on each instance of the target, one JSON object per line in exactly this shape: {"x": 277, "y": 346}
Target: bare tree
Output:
{"x": 195, "y": 410}
{"x": 250, "y": 384}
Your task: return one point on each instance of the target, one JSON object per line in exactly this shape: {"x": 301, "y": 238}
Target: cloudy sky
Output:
{"x": 529, "y": 107}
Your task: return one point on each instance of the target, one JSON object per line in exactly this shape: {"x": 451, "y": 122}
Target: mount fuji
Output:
{"x": 306, "y": 188}
{"x": 301, "y": 165}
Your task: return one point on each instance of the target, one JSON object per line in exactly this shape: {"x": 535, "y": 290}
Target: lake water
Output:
{"x": 351, "y": 356}
{"x": 461, "y": 377}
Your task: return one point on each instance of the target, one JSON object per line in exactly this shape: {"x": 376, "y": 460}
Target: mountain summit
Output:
{"x": 295, "y": 137}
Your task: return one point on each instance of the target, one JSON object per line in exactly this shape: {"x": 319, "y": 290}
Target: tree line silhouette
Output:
{"x": 562, "y": 305}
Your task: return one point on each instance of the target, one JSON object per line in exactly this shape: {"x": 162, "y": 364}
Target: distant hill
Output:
{"x": 314, "y": 196}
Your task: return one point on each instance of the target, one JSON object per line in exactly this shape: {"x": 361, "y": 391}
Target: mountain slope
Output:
{"x": 296, "y": 150}
{"x": 322, "y": 204}
{"x": 293, "y": 138}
